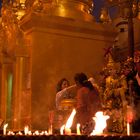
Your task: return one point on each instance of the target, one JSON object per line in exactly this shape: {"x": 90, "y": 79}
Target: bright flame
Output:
{"x": 100, "y": 123}
{"x": 10, "y": 133}
{"x": 62, "y": 129}
{"x": 29, "y": 133}
{"x": 44, "y": 133}
{"x": 68, "y": 123}
{"x": 19, "y": 133}
{"x": 128, "y": 129}
{"x": 36, "y": 133}
{"x": 4, "y": 128}
{"x": 78, "y": 129}
{"x": 26, "y": 130}
{"x": 70, "y": 119}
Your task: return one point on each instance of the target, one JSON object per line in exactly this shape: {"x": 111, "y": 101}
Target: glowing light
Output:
{"x": 62, "y": 129}
{"x": 10, "y": 133}
{"x": 68, "y": 125}
{"x": 69, "y": 122}
{"x": 19, "y": 133}
{"x": 36, "y": 133}
{"x": 67, "y": 131}
{"x": 100, "y": 123}
{"x": 4, "y": 129}
{"x": 44, "y": 133}
{"x": 70, "y": 119}
{"x": 78, "y": 129}
{"x": 26, "y": 130}
{"x": 128, "y": 129}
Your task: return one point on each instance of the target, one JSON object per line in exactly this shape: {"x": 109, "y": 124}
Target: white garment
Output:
{"x": 60, "y": 95}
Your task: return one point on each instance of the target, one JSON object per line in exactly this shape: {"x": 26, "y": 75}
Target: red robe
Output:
{"x": 88, "y": 103}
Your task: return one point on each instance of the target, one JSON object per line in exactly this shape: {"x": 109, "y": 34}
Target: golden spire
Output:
{"x": 105, "y": 17}
{"x": 111, "y": 62}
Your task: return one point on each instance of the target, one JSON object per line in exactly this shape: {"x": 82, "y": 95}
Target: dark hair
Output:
{"x": 82, "y": 79}
{"x": 59, "y": 84}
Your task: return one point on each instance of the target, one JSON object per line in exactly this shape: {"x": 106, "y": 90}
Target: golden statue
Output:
{"x": 114, "y": 100}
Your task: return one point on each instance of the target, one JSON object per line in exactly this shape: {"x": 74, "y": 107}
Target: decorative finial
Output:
{"x": 110, "y": 61}
{"x": 104, "y": 17}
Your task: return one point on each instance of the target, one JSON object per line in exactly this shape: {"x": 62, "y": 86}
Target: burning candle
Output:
{"x": 4, "y": 129}
{"x": 44, "y": 133}
{"x": 29, "y": 133}
{"x": 69, "y": 122}
{"x": 78, "y": 129}
{"x": 26, "y": 130}
{"x": 19, "y": 133}
{"x": 36, "y": 133}
{"x": 100, "y": 123}
{"x": 62, "y": 129}
{"x": 67, "y": 131}
{"x": 10, "y": 133}
{"x": 128, "y": 129}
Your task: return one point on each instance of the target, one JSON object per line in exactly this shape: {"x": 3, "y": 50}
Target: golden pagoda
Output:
{"x": 41, "y": 42}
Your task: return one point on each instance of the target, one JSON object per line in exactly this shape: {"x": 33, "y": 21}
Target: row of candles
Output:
{"x": 26, "y": 131}
{"x": 49, "y": 132}
{"x": 100, "y": 124}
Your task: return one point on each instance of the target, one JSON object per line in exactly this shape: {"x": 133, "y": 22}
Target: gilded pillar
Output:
{"x": 3, "y": 90}
{"x": 6, "y": 89}
{"x": 22, "y": 94}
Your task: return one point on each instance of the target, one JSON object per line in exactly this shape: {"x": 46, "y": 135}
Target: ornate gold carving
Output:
{"x": 11, "y": 33}
{"x": 79, "y": 9}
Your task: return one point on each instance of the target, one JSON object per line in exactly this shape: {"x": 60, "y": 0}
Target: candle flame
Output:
{"x": 19, "y": 133}
{"x": 78, "y": 129}
{"x": 10, "y": 133}
{"x": 4, "y": 128}
{"x": 36, "y": 133}
{"x": 26, "y": 130}
{"x": 68, "y": 125}
{"x": 44, "y": 133}
{"x": 100, "y": 123}
{"x": 62, "y": 129}
{"x": 128, "y": 129}
{"x": 70, "y": 119}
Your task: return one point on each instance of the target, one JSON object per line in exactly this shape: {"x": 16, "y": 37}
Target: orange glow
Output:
{"x": 100, "y": 123}
{"x": 4, "y": 128}
{"x": 68, "y": 125}
{"x": 78, "y": 129}
{"x": 26, "y": 130}
{"x": 70, "y": 119}
{"x": 62, "y": 129}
